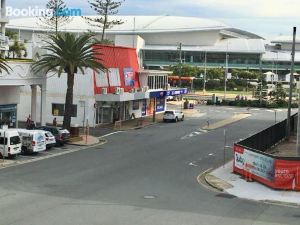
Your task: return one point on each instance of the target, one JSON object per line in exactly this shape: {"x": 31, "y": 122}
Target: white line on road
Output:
{"x": 106, "y": 135}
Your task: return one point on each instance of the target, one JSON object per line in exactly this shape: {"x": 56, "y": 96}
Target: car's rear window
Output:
{"x": 169, "y": 112}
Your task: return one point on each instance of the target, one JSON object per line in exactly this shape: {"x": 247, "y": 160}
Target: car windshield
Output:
{"x": 15, "y": 140}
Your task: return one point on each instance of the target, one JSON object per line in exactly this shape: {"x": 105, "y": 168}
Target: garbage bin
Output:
{"x": 74, "y": 130}
{"x": 186, "y": 104}
{"x": 214, "y": 99}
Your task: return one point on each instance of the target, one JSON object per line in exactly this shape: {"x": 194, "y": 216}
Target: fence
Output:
{"x": 252, "y": 161}
{"x": 269, "y": 137}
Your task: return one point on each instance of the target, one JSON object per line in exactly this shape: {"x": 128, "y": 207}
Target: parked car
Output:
{"x": 33, "y": 141}
{"x": 50, "y": 139}
{"x": 173, "y": 115}
{"x": 61, "y": 135}
{"x": 10, "y": 146}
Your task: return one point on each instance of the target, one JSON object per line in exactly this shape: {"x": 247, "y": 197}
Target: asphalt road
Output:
{"x": 139, "y": 177}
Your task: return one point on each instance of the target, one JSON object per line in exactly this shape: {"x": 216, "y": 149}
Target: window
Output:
{"x": 59, "y": 110}
{"x": 114, "y": 77}
{"x": 15, "y": 140}
{"x": 135, "y": 105}
{"x": 101, "y": 79}
{"x": 2, "y": 141}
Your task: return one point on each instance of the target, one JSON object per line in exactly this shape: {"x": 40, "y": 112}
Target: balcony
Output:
{"x": 4, "y": 43}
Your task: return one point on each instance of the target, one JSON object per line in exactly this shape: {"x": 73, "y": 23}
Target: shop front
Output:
{"x": 8, "y": 115}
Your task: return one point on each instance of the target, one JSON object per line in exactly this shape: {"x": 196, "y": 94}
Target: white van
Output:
{"x": 32, "y": 140}
{"x": 11, "y": 146}
{"x": 50, "y": 139}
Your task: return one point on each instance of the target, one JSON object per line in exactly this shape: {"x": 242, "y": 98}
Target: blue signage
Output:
{"x": 160, "y": 94}
{"x": 160, "y": 104}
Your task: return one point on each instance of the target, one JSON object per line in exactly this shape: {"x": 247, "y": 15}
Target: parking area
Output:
{"x": 54, "y": 151}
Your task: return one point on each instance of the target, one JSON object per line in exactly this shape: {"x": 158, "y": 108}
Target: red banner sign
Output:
{"x": 275, "y": 173}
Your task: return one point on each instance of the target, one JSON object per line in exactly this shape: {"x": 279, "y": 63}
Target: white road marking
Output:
{"x": 106, "y": 135}
{"x": 192, "y": 164}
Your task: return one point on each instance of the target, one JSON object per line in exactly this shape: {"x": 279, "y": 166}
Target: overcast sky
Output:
{"x": 268, "y": 18}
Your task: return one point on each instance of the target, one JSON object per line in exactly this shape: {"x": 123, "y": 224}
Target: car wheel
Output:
{"x": 176, "y": 119}
{"x": 164, "y": 120}
{"x": 23, "y": 150}
{"x": 182, "y": 119}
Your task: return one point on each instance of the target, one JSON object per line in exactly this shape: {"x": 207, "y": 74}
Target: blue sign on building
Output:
{"x": 160, "y": 94}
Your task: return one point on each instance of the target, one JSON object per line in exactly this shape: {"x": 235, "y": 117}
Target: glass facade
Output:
{"x": 157, "y": 81}
{"x": 199, "y": 57}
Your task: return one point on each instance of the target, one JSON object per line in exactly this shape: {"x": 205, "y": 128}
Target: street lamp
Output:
{"x": 226, "y": 73}
{"x": 204, "y": 78}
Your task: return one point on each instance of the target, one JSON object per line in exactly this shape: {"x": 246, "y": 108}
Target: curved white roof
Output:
{"x": 132, "y": 24}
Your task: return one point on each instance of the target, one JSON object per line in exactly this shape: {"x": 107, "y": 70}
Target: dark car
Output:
{"x": 61, "y": 135}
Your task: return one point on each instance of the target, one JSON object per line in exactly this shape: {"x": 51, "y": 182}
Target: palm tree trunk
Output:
{"x": 69, "y": 102}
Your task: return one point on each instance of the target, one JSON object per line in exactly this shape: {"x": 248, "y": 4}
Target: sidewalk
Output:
{"x": 84, "y": 140}
{"x": 223, "y": 179}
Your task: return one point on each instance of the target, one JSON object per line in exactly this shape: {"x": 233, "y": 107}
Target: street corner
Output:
{"x": 216, "y": 182}
{"x": 86, "y": 140}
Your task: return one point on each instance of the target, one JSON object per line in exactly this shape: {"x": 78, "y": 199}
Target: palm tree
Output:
{"x": 67, "y": 53}
{"x": 3, "y": 65}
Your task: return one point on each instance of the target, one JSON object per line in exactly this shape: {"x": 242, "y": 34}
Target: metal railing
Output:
{"x": 269, "y": 137}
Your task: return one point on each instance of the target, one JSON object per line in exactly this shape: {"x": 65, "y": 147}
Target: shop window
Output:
{"x": 59, "y": 110}
{"x": 135, "y": 105}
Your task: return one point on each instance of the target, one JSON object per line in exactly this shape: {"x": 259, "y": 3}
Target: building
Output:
{"x": 20, "y": 76}
{"x": 162, "y": 41}
{"x": 156, "y": 42}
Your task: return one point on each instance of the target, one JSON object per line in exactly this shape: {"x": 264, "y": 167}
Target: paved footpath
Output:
{"x": 225, "y": 180}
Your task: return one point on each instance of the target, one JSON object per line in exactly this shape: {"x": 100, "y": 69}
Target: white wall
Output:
{"x": 56, "y": 91}
{"x": 186, "y": 38}
{"x": 138, "y": 112}
{"x": 9, "y": 95}
{"x": 132, "y": 41}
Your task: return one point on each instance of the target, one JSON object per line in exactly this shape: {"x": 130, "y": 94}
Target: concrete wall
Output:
{"x": 9, "y": 95}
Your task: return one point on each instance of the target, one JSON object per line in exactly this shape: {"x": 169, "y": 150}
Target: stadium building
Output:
{"x": 204, "y": 42}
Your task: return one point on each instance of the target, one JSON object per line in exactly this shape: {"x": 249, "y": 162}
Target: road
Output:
{"x": 139, "y": 177}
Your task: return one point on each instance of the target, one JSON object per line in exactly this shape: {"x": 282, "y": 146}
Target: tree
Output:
{"x": 69, "y": 54}
{"x": 4, "y": 66}
{"x": 18, "y": 49}
{"x": 104, "y": 8}
{"x": 185, "y": 70}
{"x": 55, "y": 16}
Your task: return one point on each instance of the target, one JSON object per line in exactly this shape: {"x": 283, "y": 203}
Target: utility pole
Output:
{"x": 226, "y": 73}
{"x": 288, "y": 124}
{"x": 180, "y": 62}
{"x": 204, "y": 77}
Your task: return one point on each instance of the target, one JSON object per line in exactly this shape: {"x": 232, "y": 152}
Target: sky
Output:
{"x": 267, "y": 18}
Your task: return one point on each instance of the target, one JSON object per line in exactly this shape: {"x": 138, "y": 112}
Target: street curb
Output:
{"x": 83, "y": 145}
{"x": 212, "y": 184}
{"x": 201, "y": 181}
{"x": 140, "y": 127}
